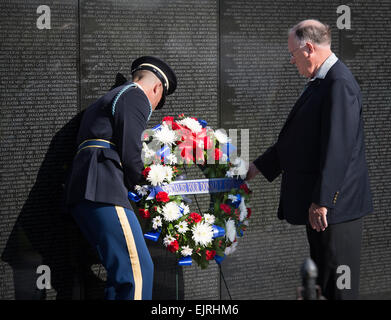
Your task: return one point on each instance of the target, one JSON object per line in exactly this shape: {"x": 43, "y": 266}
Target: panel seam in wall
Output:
{"x": 78, "y": 63}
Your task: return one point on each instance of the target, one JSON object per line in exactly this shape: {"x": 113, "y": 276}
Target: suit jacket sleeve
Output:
{"x": 339, "y": 128}
{"x": 268, "y": 164}
{"x": 130, "y": 119}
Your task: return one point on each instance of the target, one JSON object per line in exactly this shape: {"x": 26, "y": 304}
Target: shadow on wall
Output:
{"x": 45, "y": 234}
{"x": 168, "y": 282}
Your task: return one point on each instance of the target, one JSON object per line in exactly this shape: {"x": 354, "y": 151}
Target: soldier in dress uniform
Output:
{"x": 107, "y": 165}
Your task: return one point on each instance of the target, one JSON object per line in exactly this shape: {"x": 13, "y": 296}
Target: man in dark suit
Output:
{"x": 320, "y": 154}
{"x": 107, "y": 165}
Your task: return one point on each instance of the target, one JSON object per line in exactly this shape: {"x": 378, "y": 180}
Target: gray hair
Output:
{"x": 312, "y": 31}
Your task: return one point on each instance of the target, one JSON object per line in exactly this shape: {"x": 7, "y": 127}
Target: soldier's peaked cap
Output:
{"x": 161, "y": 69}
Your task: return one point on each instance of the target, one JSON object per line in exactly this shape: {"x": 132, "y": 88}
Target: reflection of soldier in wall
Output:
{"x": 46, "y": 235}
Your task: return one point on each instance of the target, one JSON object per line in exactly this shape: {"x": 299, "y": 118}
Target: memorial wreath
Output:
{"x": 162, "y": 200}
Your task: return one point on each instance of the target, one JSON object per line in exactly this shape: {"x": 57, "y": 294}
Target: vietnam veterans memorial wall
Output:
{"x": 233, "y": 70}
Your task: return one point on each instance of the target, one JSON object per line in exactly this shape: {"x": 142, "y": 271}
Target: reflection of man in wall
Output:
{"x": 320, "y": 153}
{"x": 108, "y": 163}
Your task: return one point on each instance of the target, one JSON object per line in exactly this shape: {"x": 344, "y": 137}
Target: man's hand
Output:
{"x": 252, "y": 171}
{"x": 317, "y": 217}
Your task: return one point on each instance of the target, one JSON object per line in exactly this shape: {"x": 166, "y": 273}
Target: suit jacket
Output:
{"x": 106, "y": 175}
{"x": 320, "y": 152}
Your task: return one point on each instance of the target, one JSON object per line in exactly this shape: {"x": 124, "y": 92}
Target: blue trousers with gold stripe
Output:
{"x": 117, "y": 236}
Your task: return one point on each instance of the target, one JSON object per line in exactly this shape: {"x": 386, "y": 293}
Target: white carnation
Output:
{"x": 231, "y": 249}
{"x": 185, "y": 208}
{"x": 156, "y": 222}
{"x": 165, "y": 135}
{"x": 168, "y": 239}
{"x": 230, "y": 173}
{"x": 171, "y": 212}
{"x": 148, "y": 152}
{"x": 208, "y": 218}
{"x": 232, "y": 197}
{"x": 243, "y": 210}
{"x": 221, "y": 136}
{"x": 168, "y": 172}
{"x": 142, "y": 191}
{"x": 172, "y": 159}
{"x": 157, "y": 174}
{"x": 202, "y": 233}
{"x": 241, "y": 167}
{"x": 186, "y": 251}
{"x": 237, "y": 161}
{"x": 192, "y": 124}
{"x": 230, "y": 230}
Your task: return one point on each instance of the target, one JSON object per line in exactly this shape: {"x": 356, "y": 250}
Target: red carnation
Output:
{"x": 175, "y": 126}
{"x": 173, "y": 246}
{"x": 225, "y": 207}
{"x": 210, "y": 254}
{"x": 218, "y": 154}
{"x": 245, "y": 188}
{"x": 195, "y": 217}
{"x": 144, "y": 213}
{"x": 168, "y": 119}
{"x": 146, "y": 172}
{"x": 248, "y": 213}
{"x": 162, "y": 197}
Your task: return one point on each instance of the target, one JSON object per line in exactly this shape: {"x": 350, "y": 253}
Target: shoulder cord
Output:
{"x": 132, "y": 85}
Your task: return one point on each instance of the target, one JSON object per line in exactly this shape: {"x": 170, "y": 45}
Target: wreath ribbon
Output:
{"x": 199, "y": 186}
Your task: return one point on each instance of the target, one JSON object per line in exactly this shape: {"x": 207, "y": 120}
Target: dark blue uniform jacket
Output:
{"x": 102, "y": 174}
{"x": 320, "y": 152}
